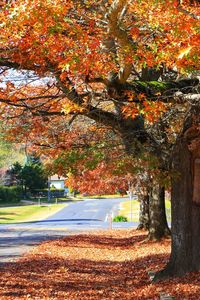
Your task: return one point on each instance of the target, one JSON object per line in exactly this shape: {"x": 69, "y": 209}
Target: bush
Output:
{"x": 120, "y": 219}
{"x": 10, "y": 193}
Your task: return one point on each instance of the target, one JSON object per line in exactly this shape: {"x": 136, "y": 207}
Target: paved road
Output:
{"x": 16, "y": 239}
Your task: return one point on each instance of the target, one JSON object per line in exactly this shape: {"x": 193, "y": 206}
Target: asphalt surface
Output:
{"x": 16, "y": 239}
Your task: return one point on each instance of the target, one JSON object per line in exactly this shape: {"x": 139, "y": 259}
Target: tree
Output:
{"x": 101, "y": 165}
{"x": 96, "y": 59}
{"x": 185, "y": 200}
{"x": 9, "y": 152}
{"x": 32, "y": 175}
{"x": 15, "y": 174}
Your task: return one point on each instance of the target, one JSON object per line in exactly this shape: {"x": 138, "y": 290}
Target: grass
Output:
{"x": 125, "y": 210}
{"x": 10, "y": 203}
{"x": 27, "y": 213}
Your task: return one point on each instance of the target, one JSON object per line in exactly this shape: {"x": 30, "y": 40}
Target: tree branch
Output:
{"x": 189, "y": 97}
{"x": 117, "y": 10}
{"x": 97, "y": 80}
{"x": 9, "y": 64}
{"x": 99, "y": 115}
{"x": 186, "y": 12}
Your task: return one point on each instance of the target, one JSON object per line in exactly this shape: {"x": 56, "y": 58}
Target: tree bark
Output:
{"x": 158, "y": 222}
{"x": 144, "y": 218}
{"x": 185, "y": 254}
{"x": 150, "y": 74}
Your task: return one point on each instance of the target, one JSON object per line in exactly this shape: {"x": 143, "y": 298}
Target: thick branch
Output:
{"x": 193, "y": 98}
{"x": 99, "y": 115}
{"x": 120, "y": 35}
{"x": 9, "y": 64}
{"x": 97, "y": 80}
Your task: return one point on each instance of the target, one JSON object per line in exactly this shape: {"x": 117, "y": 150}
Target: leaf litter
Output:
{"x": 111, "y": 264}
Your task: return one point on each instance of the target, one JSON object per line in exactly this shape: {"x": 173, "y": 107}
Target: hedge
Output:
{"x": 10, "y": 193}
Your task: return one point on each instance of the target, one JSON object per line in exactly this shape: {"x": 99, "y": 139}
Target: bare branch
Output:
{"x": 186, "y": 12}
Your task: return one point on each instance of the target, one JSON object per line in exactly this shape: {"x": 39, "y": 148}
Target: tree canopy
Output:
{"x": 115, "y": 63}
{"x": 77, "y": 74}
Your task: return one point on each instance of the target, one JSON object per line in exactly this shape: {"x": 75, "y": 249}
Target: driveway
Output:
{"x": 16, "y": 239}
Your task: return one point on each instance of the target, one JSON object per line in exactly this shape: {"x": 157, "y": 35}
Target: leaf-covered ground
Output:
{"x": 99, "y": 265}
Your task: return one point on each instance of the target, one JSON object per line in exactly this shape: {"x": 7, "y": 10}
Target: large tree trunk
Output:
{"x": 158, "y": 222}
{"x": 185, "y": 254}
{"x": 144, "y": 218}
{"x": 153, "y": 213}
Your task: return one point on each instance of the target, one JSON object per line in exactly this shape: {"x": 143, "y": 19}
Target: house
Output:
{"x": 57, "y": 182}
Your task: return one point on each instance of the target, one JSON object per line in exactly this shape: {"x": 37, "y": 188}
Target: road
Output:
{"x": 16, "y": 239}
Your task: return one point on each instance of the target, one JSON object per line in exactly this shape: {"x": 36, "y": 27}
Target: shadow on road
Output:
{"x": 34, "y": 239}
{"x": 57, "y": 220}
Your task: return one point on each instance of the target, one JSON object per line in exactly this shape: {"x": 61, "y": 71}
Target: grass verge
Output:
{"x": 134, "y": 206}
{"x": 27, "y": 213}
{"x": 128, "y": 206}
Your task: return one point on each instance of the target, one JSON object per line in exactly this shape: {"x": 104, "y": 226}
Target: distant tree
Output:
{"x": 10, "y": 152}
{"x": 31, "y": 176}
{"x": 15, "y": 174}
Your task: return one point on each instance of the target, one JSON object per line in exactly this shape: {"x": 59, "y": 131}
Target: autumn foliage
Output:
{"x": 83, "y": 68}
{"x": 84, "y": 63}
{"x": 75, "y": 43}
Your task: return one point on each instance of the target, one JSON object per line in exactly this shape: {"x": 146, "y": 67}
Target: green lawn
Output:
{"x": 125, "y": 209}
{"x": 27, "y": 213}
{"x": 127, "y": 206}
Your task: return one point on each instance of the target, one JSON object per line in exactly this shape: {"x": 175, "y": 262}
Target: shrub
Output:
{"x": 10, "y": 193}
{"x": 120, "y": 219}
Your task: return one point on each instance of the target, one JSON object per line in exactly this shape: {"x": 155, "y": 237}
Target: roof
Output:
{"x": 57, "y": 178}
